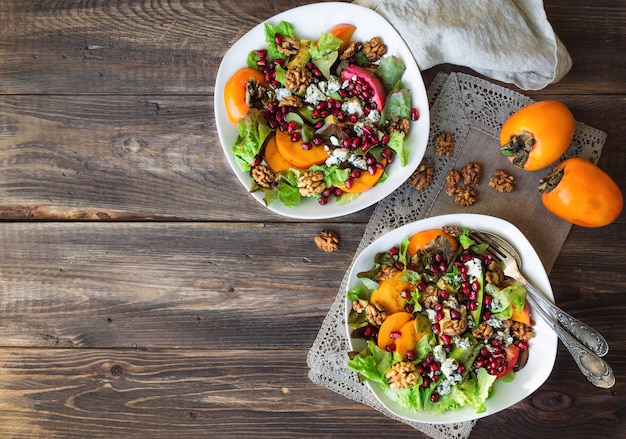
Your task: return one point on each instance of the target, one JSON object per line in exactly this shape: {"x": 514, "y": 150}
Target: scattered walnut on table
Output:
{"x": 501, "y": 181}
{"x": 402, "y": 374}
{"x": 472, "y": 173}
{"x": 422, "y": 177}
{"x": 297, "y": 79}
{"x": 465, "y": 196}
{"x": 327, "y": 240}
{"x": 453, "y": 178}
{"x": 444, "y": 145}
{"x": 374, "y": 49}
{"x": 263, "y": 176}
{"x": 311, "y": 183}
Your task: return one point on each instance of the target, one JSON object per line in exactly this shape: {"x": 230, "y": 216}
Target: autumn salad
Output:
{"x": 439, "y": 322}
{"x": 318, "y": 118}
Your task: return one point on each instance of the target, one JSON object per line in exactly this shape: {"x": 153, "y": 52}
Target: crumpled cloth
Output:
{"x": 506, "y": 40}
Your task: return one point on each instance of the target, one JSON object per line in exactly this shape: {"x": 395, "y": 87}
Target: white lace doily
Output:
{"x": 473, "y": 110}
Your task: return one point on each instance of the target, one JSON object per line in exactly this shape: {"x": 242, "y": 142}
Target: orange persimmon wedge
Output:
{"x": 235, "y": 92}
{"x": 344, "y": 32}
{"x": 273, "y": 158}
{"x": 388, "y": 293}
{"x": 294, "y": 154}
{"x": 393, "y": 324}
{"x": 522, "y": 316}
{"x": 419, "y": 240}
{"x": 365, "y": 180}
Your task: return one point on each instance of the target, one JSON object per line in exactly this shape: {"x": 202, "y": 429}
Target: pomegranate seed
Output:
{"x": 466, "y": 258}
{"x": 434, "y": 367}
{"x": 306, "y": 146}
{"x": 393, "y": 251}
{"x": 487, "y": 301}
{"x": 337, "y": 192}
{"x": 368, "y": 331}
{"x": 295, "y": 137}
{"x": 411, "y": 355}
{"x": 348, "y": 183}
{"x": 434, "y": 397}
{"x": 472, "y": 305}
{"x": 439, "y": 316}
{"x": 436, "y": 328}
{"x": 445, "y": 339}
{"x": 399, "y": 266}
{"x": 406, "y": 294}
{"x": 322, "y": 200}
{"x": 256, "y": 162}
{"x": 438, "y": 307}
{"x": 326, "y": 192}
{"x": 414, "y": 114}
{"x": 261, "y": 53}
{"x": 523, "y": 345}
{"x": 461, "y": 368}
{"x": 278, "y": 39}
{"x": 319, "y": 124}
{"x": 395, "y": 334}
{"x": 455, "y": 314}
{"x": 425, "y": 383}
{"x": 390, "y": 347}
{"x": 261, "y": 62}
{"x": 421, "y": 286}
{"x": 475, "y": 286}
{"x": 443, "y": 295}
{"x": 356, "y": 173}
{"x": 442, "y": 267}
{"x": 478, "y": 363}
{"x": 486, "y": 315}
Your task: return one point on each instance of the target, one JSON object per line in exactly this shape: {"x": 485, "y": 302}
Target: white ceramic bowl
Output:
{"x": 309, "y": 22}
{"x": 543, "y": 346}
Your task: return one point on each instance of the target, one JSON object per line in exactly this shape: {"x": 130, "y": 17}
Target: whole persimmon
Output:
{"x": 535, "y": 136}
{"x": 581, "y": 193}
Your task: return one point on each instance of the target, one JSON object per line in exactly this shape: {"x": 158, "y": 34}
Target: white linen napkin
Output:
{"x": 506, "y": 40}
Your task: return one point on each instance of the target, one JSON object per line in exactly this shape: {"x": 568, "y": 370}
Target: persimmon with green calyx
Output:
{"x": 420, "y": 239}
{"x": 535, "y": 136}
{"x": 273, "y": 158}
{"x": 296, "y": 155}
{"x": 389, "y": 293}
{"x": 235, "y": 92}
{"x": 365, "y": 181}
{"x": 581, "y": 193}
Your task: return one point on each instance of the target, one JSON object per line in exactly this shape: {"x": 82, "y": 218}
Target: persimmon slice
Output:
{"x": 273, "y": 158}
{"x": 294, "y": 154}
{"x": 419, "y": 240}
{"x": 235, "y": 92}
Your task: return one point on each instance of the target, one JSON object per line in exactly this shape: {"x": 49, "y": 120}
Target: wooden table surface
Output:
{"x": 144, "y": 293}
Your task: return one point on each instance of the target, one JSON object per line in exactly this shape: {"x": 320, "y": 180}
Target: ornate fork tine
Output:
{"x": 584, "y": 333}
{"x": 596, "y": 370}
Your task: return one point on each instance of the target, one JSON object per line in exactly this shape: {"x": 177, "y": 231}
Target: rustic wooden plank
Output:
{"x": 122, "y": 157}
{"x": 167, "y": 284}
{"x": 64, "y": 47}
{"x": 241, "y": 285}
{"x": 159, "y": 157}
{"x": 77, "y": 393}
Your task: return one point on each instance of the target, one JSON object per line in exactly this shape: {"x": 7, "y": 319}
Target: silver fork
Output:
{"x": 584, "y": 343}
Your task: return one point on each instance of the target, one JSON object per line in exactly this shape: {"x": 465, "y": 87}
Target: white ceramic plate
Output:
{"x": 309, "y": 22}
{"x": 543, "y": 346}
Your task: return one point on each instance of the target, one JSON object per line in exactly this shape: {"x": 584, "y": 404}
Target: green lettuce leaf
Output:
{"x": 253, "y": 131}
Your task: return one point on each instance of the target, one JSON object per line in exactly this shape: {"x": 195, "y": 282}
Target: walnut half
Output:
{"x": 328, "y": 241}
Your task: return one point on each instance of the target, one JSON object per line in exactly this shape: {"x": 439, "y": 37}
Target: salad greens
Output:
{"x": 476, "y": 332}
{"x": 334, "y": 110}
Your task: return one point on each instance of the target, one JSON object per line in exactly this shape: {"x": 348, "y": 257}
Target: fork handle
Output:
{"x": 595, "y": 369}
{"x": 584, "y": 333}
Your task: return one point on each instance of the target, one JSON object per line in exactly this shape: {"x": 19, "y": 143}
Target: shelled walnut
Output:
{"x": 311, "y": 183}
{"x": 288, "y": 46}
{"x": 297, "y": 79}
{"x": 465, "y": 196}
{"x": 501, "y": 181}
{"x": 444, "y": 145}
{"x": 327, "y": 240}
{"x": 472, "y": 172}
{"x": 376, "y": 313}
{"x": 291, "y": 101}
{"x": 401, "y": 124}
{"x": 374, "y": 49}
{"x": 263, "y": 176}
{"x": 422, "y": 177}
{"x": 385, "y": 272}
{"x": 452, "y": 179}
{"x": 402, "y": 374}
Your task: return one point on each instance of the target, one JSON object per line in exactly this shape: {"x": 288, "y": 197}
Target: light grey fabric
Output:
{"x": 506, "y": 40}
